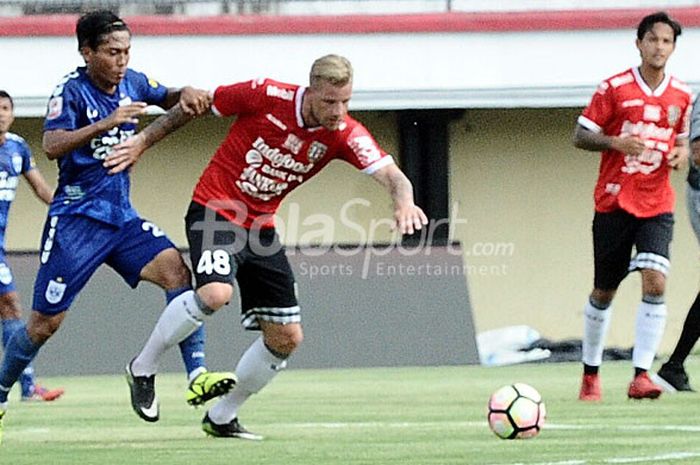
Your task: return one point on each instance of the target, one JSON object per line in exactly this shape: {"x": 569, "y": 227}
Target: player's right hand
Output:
{"x": 630, "y": 145}
{"x": 126, "y": 114}
{"x": 125, "y": 155}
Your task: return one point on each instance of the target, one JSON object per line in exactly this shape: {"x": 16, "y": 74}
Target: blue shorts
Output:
{"x": 7, "y": 282}
{"x": 73, "y": 247}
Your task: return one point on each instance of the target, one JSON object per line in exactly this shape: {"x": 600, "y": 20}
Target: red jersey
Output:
{"x": 268, "y": 151}
{"x": 625, "y": 105}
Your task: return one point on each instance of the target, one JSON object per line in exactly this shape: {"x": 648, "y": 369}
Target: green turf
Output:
{"x": 403, "y": 416}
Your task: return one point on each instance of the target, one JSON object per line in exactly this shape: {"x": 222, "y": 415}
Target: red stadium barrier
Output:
{"x": 64, "y": 25}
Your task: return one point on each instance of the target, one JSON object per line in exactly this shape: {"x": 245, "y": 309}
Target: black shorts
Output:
{"x": 615, "y": 234}
{"x": 221, "y": 251}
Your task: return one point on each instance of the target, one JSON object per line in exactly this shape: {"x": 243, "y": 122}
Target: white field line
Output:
{"x": 482, "y": 424}
{"x": 619, "y": 460}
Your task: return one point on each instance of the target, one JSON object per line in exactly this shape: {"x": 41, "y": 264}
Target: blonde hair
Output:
{"x": 333, "y": 69}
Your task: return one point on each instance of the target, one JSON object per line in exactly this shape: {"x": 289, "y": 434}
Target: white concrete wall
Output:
{"x": 417, "y": 70}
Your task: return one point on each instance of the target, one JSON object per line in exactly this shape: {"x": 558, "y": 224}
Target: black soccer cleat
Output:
{"x": 672, "y": 377}
{"x": 143, "y": 395}
{"x": 233, "y": 429}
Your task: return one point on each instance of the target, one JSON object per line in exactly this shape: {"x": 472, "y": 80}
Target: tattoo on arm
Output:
{"x": 174, "y": 118}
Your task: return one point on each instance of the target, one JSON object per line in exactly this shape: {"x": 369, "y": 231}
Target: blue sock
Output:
{"x": 26, "y": 379}
{"x": 19, "y": 352}
{"x": 192, "y": 348}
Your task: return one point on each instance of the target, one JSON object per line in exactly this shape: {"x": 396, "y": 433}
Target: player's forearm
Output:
{"x": 59, "y": 142}
{"x": 173, "y": 119}
{"x": 593, "y": 141}
{"x": 400, "y": 189}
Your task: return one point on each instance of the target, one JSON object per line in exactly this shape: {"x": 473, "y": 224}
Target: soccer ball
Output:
{"x": 516, "y": 411}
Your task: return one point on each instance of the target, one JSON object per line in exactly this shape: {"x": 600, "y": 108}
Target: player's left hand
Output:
{"x": 125, "y": 155}
{"x": 410, "y": 219}
{"x": 195, "y": 102}
{"x": 678, "y": 157}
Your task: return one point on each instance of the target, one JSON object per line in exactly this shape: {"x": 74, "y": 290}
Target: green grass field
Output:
{"x": 403, "y": 416}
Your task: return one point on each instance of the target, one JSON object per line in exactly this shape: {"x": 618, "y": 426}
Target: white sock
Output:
{"x": 649, "y": 329}
{"x": 255, "y": 370}
{"x": 595, "y": 331}
{"x": 181, "y": 317}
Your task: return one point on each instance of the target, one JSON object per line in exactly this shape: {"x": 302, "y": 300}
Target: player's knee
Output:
{"x": 602, "y": 297}
{"x": 653, "y": 283}
{"x": 10, "y": 307}
{"x": 285, "y": 339}
{"x": 215, "y": 295}
{"x": 40, "y": 327}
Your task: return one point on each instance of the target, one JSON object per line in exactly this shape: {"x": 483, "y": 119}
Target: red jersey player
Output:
{"x": 283, "y": 135}
{"x": 639, "y": 120}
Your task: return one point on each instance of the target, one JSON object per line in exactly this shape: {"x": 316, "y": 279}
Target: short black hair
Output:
{"x": 4, "y": 94}
{"x": 93, "y": 26}
{"x": 648, "y": 22}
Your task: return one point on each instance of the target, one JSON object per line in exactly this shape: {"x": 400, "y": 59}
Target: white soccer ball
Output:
{"x": 516, "y": 411}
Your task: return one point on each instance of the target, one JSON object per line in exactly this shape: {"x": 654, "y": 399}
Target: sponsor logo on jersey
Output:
{"x": 5, "y": 274}
{"x": 293, "y": 144}
{"x": 91, "y": 113}
{"x": 8, "y": 186}
{"x": 652, "y": 112}
{"x": 284, "y": 94}
{"x": 276, "y": 121}
{"x": 365, "y": 149}
{"x": 674, "y": 112}
{"x": 612, "y": 188}
{"x": 17, "y": 162}
{"x": 55, "y": 290}
{"x": 646, "y": 130}
{"x": 279, "y": 159}
{"x": 55, "y": 108}
{"x": 102, "y": 145}
{"x": 316, "y": 151}
{"x": 637, "y": 102}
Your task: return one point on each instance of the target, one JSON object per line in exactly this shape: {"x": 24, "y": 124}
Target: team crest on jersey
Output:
{"x": 55, "y": 108}
{"x": 153, "y": 83}
{"x": 17, "y": 163}
{"x": 54, "y": 291}
{"x": 316, "y": 151}
{"x": 674, "y": 112}
{"x": 652, "y": 112}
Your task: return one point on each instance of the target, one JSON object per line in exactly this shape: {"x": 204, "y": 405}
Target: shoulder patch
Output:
{"x": 54, "y": 108}
{"x": 279, "y": 92}
{"x": 621, "y": 80}
{"x": 682, "y": 86}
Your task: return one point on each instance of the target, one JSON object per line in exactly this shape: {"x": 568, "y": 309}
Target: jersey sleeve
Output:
{"x": 363, "y": 152}
{"x": 28, "y": 163}
{"x": 64, "y": 109}
{"x": 147, "y": 89}
{"x": 683, "y": 127}
{"x": 599, "y": 112}
{"x": 242, "y": 97}
{"x": 695, "y": 120}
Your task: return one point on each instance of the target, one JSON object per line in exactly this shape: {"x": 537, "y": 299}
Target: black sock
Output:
{"x": 638, "y": 371}
{"x": 689, "y": 335}
{"x": 590, "y": 369}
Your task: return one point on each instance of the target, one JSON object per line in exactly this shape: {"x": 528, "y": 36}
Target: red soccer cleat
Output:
{"x": 642, "y": 387}
{"x": 590, "y": 388}
{"x": 42, "y": 394}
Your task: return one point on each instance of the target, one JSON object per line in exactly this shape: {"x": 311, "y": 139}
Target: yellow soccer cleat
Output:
{"x": 2, "y": 415}
{"x": 208, "y": 385}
